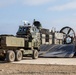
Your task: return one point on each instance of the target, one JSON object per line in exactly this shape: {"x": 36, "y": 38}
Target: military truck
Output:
{"x": 25, "y": 43}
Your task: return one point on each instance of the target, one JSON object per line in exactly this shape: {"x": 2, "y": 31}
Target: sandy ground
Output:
{"x": 38, "y": 69}
{"x": 23, "y": 69}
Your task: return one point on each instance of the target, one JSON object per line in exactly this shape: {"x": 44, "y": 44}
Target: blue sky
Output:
{"x": 51, "y": 13}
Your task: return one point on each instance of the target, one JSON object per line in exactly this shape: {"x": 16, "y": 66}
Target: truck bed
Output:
{"x": 11, "y": 41}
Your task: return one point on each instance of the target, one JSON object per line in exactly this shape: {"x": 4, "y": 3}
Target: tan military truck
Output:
{"x": 26, "y": 42}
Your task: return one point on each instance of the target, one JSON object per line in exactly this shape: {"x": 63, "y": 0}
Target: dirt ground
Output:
{"x": 24, "y": 69}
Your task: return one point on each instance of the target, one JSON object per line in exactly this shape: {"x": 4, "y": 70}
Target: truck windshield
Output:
{"x": 22, "y": 29}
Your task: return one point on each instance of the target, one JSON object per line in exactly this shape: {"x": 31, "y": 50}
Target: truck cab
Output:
{"x": 25, "y": 31}
{"x": 30, "y": 34}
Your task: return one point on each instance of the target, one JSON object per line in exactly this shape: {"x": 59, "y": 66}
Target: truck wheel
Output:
{"x": 18, "y": 56}
{"x": 10, "y": 57}
{"x": 35, "y": 54}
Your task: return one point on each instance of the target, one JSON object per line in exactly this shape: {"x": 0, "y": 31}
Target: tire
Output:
{"x": 35, "y": 54}
{"x": 10, "y": 57}
{"x": 18, "y": 56}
